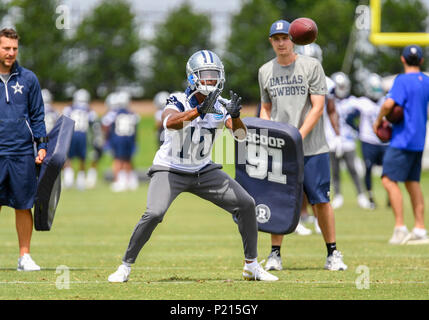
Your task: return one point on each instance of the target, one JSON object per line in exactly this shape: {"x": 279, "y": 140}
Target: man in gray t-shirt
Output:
{"x": 293, "y": 89}
{"x": 288, "y": 89}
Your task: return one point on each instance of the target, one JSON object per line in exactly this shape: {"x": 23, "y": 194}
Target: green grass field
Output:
{"x": 196, "y": 253}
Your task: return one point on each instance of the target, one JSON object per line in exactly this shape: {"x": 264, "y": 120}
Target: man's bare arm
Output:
{"x": 316, "y": 112}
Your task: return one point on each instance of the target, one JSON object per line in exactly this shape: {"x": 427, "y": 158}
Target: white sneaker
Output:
{"x": 338, "y": 201}
{"x": 363, "y": 201}
{"x": 254, "y": 271}
{"x": 316, "y": 227}
{"x": 121, "y": 183}
{"x": 118, "y": 186}
{"x": 302, "y": 231}
{"x": 121, "y": 275}
{"x": 274, "y": 262}
{"x": 307, "y": 218}
{"x": 68, "y": 177}
{"x": 418, "y": 237}
{"x": 25, "y": 263}
{"x": 133, "y": 181}
{"x": 80, "y": 180}
{"x": 334, "y": 262}
{"x": 91, "y": 178}
{"x": 400, "y": 236}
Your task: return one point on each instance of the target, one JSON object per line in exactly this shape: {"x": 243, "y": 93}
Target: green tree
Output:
{"x": 248, "y": 47}
{"x": 3, "y": 10}
{"x": 329, "y": 15}
{"x": 183, "y": 33}
{"x": 103, "y": 46}
{"x": 42, "y": 44}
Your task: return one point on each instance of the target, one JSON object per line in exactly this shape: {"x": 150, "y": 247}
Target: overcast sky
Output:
{"x": 152, "y": 12}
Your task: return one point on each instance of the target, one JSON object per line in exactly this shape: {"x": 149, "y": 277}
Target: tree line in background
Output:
{"x": 100, "y": 53}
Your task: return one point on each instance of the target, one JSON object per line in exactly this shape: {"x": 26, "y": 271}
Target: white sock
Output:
{"x": 402, "y": 228}
{"x": 80, "y": 179}
{"x": 68, "y": 177}
{"x": 419, "y": 232}
{"x": 128, "y": 265}
{"x": 252, "y": 263}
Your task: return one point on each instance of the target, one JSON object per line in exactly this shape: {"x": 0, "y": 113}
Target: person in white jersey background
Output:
{"x": 366, "y": 110}
{"x": 345, "y": 103}
{"x": 191, "y": 120}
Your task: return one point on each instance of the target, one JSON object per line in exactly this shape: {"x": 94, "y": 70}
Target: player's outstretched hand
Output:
{"x": 208, "y": 104}
{"x": 234, "y": 105}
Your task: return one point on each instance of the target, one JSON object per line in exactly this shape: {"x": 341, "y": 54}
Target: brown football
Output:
{"x": 303, "y": 31}
{"x": 396, "y": 114}
{"x": 384, "y": 131}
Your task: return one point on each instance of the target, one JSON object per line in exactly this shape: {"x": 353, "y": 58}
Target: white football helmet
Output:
{"x": 111, "y": 101}
{"x": 310, "y": 50}
{"x": 342, "y": 84}
{"x": 123, "y": 99}
{"x": 81, "y": 96}
{"x": 160, "y": 99}
{"x": 46, "y": 96}
{"x": 205, "y": 65}
{"x": 372, "y": 87}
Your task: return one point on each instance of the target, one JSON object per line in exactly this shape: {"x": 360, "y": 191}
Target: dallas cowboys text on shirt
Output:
{"x": 287, "y": 86}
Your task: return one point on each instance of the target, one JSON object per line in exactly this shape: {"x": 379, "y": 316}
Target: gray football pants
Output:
{"x": 215, "y": 186}
{"x": 349, "y": 158}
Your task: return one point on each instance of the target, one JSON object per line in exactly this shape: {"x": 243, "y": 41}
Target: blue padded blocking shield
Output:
{"x": 49, "y": 180}
{"x": 270, "y": 166}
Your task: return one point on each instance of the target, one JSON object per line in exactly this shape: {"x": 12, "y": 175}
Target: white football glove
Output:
{"x": 338, "y": 147}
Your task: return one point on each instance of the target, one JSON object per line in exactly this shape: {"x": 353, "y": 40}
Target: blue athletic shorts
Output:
{"x": 78, "y": 146}
{"x": 18, "y": 182}
{"x": 317, "y": 178}
{"x": 402, "y": 165}
{"x": 373, "y": 154}
{"x": 123, "y": 148}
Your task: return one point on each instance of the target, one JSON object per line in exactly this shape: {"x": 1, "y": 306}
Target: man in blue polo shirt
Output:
{"x": 403, "y": 158}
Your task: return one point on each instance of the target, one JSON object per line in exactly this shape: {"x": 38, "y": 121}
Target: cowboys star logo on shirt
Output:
{"x": 17, "y": 88}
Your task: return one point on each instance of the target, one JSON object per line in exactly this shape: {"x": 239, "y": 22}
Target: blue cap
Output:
{"x": 280, "y": 26}
{"x": 412, "y": 53}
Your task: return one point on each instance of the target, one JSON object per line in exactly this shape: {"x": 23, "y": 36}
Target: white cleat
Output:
{"x": 118, "y": 186}
{"x": 25, "y": 263}
{"x": 302, "y": 231}
{"x": 316, "y": 227}
{"x": 363, "y": 202}
{"x": 91, "y": 178}
{"x": 274, "y": 262}
{"x": 334, "y": 262}
{"x": 68, "y": 180}
{"x": 254, "y": 271}
{"x": 133, "y": 181}
{"x": 80, "y": 180}
{"x": 338, "y": 201}
{"x": 420, "y": 237}
{"x": 400, "y": 236}
{"x": 120, "y": 275}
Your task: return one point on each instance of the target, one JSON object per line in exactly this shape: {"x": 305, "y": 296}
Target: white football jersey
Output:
{"x": 347, "y": 133}
{"x": 368, "y": 114}
{"x": 82, "y": 115}
{"x": 329, "y": 131}
{"x": 190, "y": 148}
